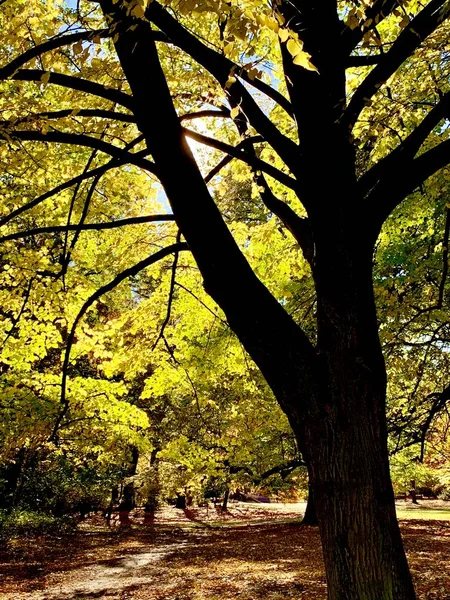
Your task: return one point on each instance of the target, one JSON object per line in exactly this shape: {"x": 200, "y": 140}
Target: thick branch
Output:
{"x": 363, "y": 60}
{"x": 284, "y": 469}
{"x": 388, "y": 170}
{"x": 409, "y": 176}
{"x": 223, "y": 114}
{"x": 298, "y": 226}
{"x": 214, "y": 62}
{"x": 265, "y": 329}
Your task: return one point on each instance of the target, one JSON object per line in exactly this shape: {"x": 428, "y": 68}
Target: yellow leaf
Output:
{"x": 271, "y": 24}
{"x": 253, "y": 73}
{"x": 228, "y": 48}
{"x": 230, "y": 81}
{"x": 294, "y": 47}
{"x": 45, "y": 77}
{"x": 234, "y": 112}
{"x": 78, "y": 48}
{"x": 303, "y": 59}
{"x": 284, "y": 34}
{"x": 138, "y": 11}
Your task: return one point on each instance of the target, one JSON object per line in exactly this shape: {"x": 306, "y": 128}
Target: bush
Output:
{"x": 19, "y": 523}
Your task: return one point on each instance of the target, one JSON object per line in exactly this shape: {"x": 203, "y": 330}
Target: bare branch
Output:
{"x": 171, "y": 294}
{"x": 15, "y": 321}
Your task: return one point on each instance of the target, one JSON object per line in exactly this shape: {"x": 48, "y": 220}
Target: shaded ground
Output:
{"x": 182, "y": 559}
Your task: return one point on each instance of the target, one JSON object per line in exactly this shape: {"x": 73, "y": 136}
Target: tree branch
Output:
{"x": 221, "y": 68}
{"x": 224, "y": 114}
{"x": 76, "y": 112}
{"x": 130, "y": 272}
{"x": 15, "y": 320}
{"x": 18, "y": 235}
{"x": 215, "y": 63}
{"x": 75, "y": 83}
{"x": 379, "y": 10}
{"x": 52, "y": 44}
{"x": 77, "y": 139}
{"x": 385, "y": 196}
{"x": 284, "y": 469}
{"x": 363, "y": 61}
{"x": 386, "y": 171}
{"x": 429, "y": 18}
{"x": 299, "y": 227}
{"x": 171, "y": 293}
{"x": 63, "y": 186}
{"x": 253, "y": 161}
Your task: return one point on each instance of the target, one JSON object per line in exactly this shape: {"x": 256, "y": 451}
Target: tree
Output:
{"x": 367, "y": 136}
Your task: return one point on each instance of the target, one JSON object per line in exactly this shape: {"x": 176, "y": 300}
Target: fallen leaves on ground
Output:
{"x": 171, "y": 561}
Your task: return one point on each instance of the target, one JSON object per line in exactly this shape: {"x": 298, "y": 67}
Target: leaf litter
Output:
{"x": 252, "y": 552}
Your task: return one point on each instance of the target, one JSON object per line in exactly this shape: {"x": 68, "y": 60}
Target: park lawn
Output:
{"x": 425, "y": 509}
{"x": 191, "y": 560}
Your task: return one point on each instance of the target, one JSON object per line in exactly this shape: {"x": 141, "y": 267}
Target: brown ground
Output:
{"x": 194, "y": 557}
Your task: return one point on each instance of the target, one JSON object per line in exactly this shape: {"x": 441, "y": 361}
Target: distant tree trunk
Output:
{"x": 310, "y": 516}
{"x": 413, "y": 492}
{"x": 11, "y": 474}
{"x": 225, "y": 499}
{"x": 127, "y": 504}
{"x": 180, "y": 502}
{"x": 152, "y": 502}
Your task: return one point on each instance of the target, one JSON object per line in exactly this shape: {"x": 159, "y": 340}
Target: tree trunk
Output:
{"x": 310, "y": 516}
{"x": 413, "y": 492}
{"x": 345, "y": 436}
{"x": 333, "y": 393}
{"x": 225, "y": 499}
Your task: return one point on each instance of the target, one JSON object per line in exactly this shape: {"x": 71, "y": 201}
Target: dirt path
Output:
{"x": 111, "y": 578}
